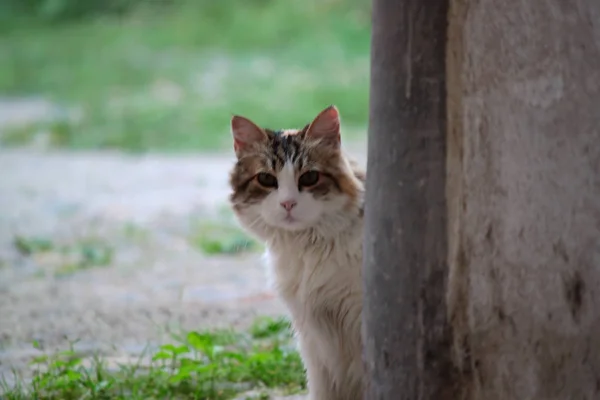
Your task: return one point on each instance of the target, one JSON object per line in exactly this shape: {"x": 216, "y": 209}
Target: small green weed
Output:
{"x": 84, "y": 254}
{"x": 134, "y": 232}
{"x": 93, "y": 254}
{"x": 213, "y": 365}
{"x": 32, "y": 245}
{"x": 268, "y": 327}
{"x": 221, "y": 237}
{"x": 55, "y": 133}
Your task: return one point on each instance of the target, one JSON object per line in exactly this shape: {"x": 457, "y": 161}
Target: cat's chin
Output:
{"x": 292, "y": 225}
{"x": 264, "y": 230}
{"x": 287, "y": 223}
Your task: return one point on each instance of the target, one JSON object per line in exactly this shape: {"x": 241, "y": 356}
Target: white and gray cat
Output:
{"x": 296, "y": 191}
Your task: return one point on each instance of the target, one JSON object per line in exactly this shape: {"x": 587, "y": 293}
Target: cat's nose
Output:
{"x": 288, "y": 204}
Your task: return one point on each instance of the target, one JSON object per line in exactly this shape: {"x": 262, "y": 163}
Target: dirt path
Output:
{"x": 144, "y": 209}
{"x": 141, "y": 208}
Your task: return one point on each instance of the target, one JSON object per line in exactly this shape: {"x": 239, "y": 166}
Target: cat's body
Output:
{"x": 312, "y": 227}
{"x": 318, "y": 283}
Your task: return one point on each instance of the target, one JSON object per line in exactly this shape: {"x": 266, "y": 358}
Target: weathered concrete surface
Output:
{"x": 524, "y": 197}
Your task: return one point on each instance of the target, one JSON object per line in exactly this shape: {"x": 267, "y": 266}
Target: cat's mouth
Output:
{"x": 289, "y": 219}
{"x": 291, "y": 222}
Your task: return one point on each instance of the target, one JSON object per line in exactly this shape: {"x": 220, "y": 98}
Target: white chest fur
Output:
{"x": 313, "y": 275}
{"x": 320, "y": 282}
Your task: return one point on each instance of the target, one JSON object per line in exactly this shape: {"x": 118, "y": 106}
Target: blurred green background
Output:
{"x": 144, "y": 75}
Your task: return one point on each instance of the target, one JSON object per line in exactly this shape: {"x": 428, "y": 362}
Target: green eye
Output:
{"x": 309, "y": 178}
{"x": 266, "y": 180}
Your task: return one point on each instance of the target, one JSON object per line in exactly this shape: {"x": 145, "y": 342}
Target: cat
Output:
{"x": 296, "y": 191}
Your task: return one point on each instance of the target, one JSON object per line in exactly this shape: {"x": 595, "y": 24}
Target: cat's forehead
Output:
{"x": 287, "y": 146}
{"x": 286, "y": 132}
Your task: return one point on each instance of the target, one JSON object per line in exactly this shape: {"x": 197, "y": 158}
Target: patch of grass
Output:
{"x": 266, "y": 327}
{"x": 54, "y": 133}
{"x": 84, "y": 254}
{"x": 32, "y": 245}
{"x": 221, "y": 237}
{"x": 170, "y": 76}
{"x": 200, "y": 365}
{"x": 134, "y": 232}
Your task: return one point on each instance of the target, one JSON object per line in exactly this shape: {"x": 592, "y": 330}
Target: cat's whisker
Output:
{"x": 254, "y": 222}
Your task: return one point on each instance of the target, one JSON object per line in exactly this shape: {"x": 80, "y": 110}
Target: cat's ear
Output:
{"x": 326, "y": 126}
{"x": 245, "y": 133}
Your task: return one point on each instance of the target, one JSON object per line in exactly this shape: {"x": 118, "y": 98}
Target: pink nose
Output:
{"x": 288, "y": 204}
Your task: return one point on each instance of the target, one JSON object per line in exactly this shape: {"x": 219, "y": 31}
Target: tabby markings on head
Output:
{"x": 292, "y": 178}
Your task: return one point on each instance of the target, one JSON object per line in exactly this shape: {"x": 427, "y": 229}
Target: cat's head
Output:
{"x": 292, "y": 180}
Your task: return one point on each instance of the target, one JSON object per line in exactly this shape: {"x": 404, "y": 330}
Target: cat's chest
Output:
{"x": 319, "y": 274}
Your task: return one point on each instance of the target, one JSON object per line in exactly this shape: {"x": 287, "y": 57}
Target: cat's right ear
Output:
{"x": 326, "y": 126}
{"x": 245, "y": 134}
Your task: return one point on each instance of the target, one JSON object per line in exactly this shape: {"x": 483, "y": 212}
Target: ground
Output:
{"x": 115, "y": 250}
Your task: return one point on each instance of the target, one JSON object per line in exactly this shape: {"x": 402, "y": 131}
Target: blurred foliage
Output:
{"x": 62, "y": 10}
{"x": 168, "y": 74}
{"x": 219, "y": 237}
{"x": 83, "y": 254}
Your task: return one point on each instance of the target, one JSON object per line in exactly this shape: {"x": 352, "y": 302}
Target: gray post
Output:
{"x": 407, "y": 343}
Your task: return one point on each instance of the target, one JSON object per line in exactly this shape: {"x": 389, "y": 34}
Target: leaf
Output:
{"x": 73, "y": 375}
{"x": 232, "y": 355}
{"x": 175, "y": 350}
{"x": 181, "y": 350}
{"x": 162, "y": 355}
{"x": 269, "y": 327}
{"x": 183, "y": 373}
{"x": 168, "y": 348}
{"x": 185, "y": 361}
{"x": 201, "y": 342}
{"x": 39, "y": 360}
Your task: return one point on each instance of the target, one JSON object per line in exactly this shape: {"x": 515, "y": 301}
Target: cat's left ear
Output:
{"x": 326, "y": 126}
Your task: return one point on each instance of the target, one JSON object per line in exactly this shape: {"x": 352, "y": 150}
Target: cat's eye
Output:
{"x": 266, "y": 180}
{"x": 309, "y": 178}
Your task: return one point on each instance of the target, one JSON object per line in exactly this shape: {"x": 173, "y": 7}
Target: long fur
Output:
{"x": 319, "y": 280}
{"x": 316, "y": 270}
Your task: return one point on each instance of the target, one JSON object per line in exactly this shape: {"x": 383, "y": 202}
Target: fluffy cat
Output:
{"x": 296, "y": 191}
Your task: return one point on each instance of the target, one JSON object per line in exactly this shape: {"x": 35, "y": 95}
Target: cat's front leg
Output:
{"x": 320, "y": 384}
